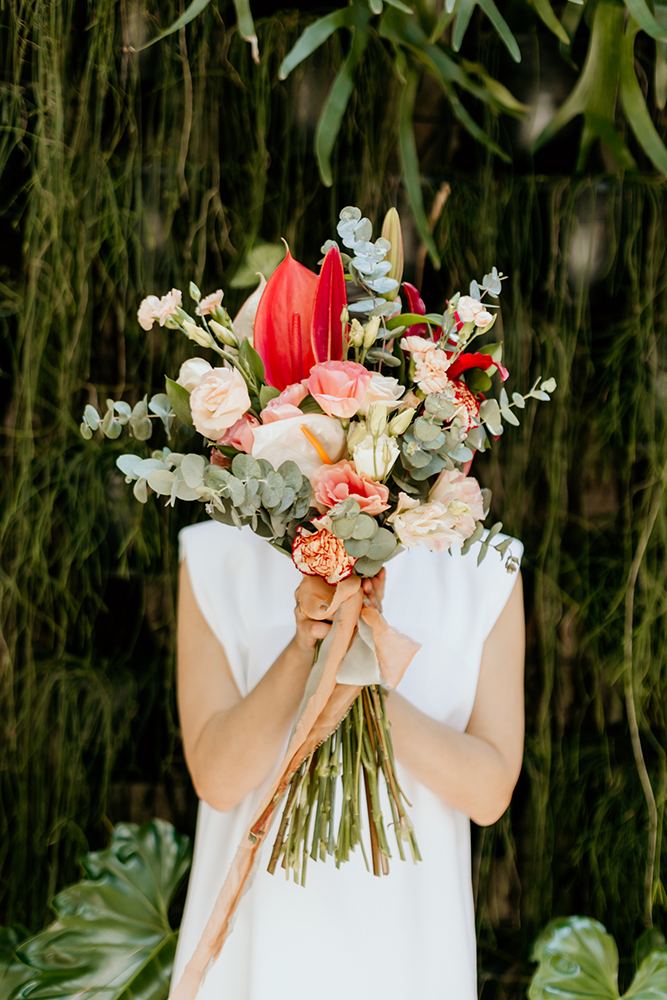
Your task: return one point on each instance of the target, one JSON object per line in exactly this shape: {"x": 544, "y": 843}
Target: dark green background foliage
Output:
{"x": 125, "y": 174}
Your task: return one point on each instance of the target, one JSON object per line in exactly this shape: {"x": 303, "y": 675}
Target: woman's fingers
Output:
{"x": 373, "y": 588}
{"x": 309, "y": 631}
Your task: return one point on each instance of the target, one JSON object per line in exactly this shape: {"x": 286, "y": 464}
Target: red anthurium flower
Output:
{"x": 282, "y": 334}
{"x": 482, "y": 361}
{"x": 330, "y": 300}
{"x": 415, "y": 305}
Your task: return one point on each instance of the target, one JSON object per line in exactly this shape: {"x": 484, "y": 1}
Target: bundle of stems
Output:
{"x": 360, "y": 747}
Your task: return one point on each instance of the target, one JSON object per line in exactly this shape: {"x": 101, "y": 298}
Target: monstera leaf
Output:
{"x": 578, "y": 960}
{"x": 112, "y": 938}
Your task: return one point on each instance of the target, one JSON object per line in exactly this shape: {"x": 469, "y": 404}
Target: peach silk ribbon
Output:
{"x": 327, "y": 705}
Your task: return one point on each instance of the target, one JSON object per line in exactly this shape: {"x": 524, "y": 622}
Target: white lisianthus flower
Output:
{"x": 146, "y": 312}
{"x": 382, "y": 389}
{"x": 209, "y": 303}
{"x": 434, "y": 525}
{"x": 374, "y": 457}
{"x": 168, "y": 305}
{"x": 192, "y": 372}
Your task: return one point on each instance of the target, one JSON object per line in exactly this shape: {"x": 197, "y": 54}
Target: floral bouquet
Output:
{"x": 340, "y": 424}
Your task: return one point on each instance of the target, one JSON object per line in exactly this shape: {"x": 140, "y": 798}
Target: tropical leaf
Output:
{"x": 634, "y": 104}
{"x": 410, "y": 161}
{"x": 314, "y": 36}
{"x": 650, "y": 982}
{"x": 246, "y": 26}
{"x": 112, "y": 935}
{"x": 331, "y": 117}
{"x": 546, "y": 13}
{"x": 577, "y": 958}
{"x": 464, "y": 10}
{"x": 195, "y": 8}
{"x": 644, "y": 17}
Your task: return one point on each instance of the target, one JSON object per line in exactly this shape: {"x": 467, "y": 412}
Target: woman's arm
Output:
{"x": 475, "y": 771}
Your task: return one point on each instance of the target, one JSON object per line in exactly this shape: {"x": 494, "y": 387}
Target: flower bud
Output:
{"x": 377, "y": 419}
{"x": 357, "y": 433}
{"x": 356, "y": 334}
{"x": 391, "y": 230}
{"x": 196, "y": 333}
{"x": 371, "y": 331}
{"x": 194, "y": 292}
{"x": 400, "y": 423}
{"x": 223, "y": 333}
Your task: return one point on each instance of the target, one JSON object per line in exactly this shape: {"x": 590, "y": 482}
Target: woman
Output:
{"x": 244, "y": 652}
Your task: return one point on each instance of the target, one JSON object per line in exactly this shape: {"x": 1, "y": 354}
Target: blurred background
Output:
{"x": 124, "y": 173}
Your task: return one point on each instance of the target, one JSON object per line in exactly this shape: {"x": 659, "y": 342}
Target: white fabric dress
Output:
{"x": 347, "y": 934}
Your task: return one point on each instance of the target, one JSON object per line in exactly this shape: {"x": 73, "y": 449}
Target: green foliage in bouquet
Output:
{"x": 112, "y": 936}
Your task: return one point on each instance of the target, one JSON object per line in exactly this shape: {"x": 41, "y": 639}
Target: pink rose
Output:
{"x": 240, "y": 435}
{"x": 322, "y": 554}
{"x": 220, "y": 399}
{"x": 333, "y": 483}
{"x": 286, "y": 404}
{"x": 145, "y": 313}
{"x": 456, "y": 491}
{"x": 431, "y": 371}
{"x": 339, "y": 386}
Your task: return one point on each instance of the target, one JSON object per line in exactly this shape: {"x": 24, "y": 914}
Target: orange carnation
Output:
{"x": 322, "y": 554}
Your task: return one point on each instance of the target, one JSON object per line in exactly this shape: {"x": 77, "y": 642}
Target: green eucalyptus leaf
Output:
{"x": 301, "y": 507}
{"x": 179, "y": 399}
{"x": 272, "y": 489}
{"x": 192, "y": 468}
{"x": 123, "y": 411}
{"x": 475, "y": 537}
{"x": 291, "y": 473}
{"x": 577, "y": 958}
{"x": 92, "y": 417}
{"x": 140, "y": 490}
{"x": 162, "y": 481}
{"x": 140, "y": 424}
{"x": 365, "y": 527}
{"x": 289, "y": 496}
{"x": 111, "y": 427}
{"x": 235, "y": 491}
{"x": 217, "y": 477}
{"x": 378, "y": 354}
{"x": 112, "y": 938}
{"x": 357, "y": 547}
{"x": 436, "y": 464}
{"x": 128, "y": 465}
{"x": 383, "y": 545}
{"x": 426, "y": 430}
{"x": 85, "y": 430}
{"x": 367, "y": 567}
{"x": 246, "y": 467}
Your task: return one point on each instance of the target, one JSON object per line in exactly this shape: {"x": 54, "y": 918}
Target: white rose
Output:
{"x": 383, "y": 389}
{"x": 374, "y": 458}
{"x": 220, "y": 399}
{"x": 192, "y": 372}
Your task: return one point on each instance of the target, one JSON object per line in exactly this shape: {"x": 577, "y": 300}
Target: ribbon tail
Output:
{"x": 394, "y": 650}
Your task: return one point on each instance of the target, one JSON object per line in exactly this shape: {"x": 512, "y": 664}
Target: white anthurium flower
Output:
{"x": 374, "y": 457}
{"x": 285, "y": 440}
{"x": 244, "y": 322}
{"x": 192, "y": 372}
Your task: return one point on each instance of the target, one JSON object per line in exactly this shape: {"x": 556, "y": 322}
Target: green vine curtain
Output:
{"x": 126, "y": 173}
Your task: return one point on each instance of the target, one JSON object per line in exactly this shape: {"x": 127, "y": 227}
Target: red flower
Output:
{"x": 482, "y": 361}
{"x": 467, "y": 405}
{"x": 415, "y": 305}
{"x": 283, "y": 323}
{"x": 330, "y": 300}
{"x": 322, "y": 554}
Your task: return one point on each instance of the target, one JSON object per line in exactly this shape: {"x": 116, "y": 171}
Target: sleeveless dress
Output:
{"x": 347, "y": 934}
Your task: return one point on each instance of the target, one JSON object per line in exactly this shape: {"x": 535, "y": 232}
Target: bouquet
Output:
{"x": 339, "y": 422}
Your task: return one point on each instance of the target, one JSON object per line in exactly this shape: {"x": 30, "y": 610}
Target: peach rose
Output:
{"x": 146, "y": 312}
{"x": 382, "y": 389}
{"x": 167, "y": 305}
{"x": 339, "y": 386}
{"x": 240, "y": 435}
{"x": 333, "y": 483}
{"x": 209, "y": 303}
{"x": 431, "y": 371}
{"x": 454, "y": 486}
{"x": 435, "y": 526}
{"x": 322, "y": 554}
{"x": 286, "y": 404}
{"x": 220, "y": 399}
{"x": 192, "y": 372}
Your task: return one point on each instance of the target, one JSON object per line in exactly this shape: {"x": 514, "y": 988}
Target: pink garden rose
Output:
{"x": 339, "y": 386}
{"x": 333, "y": 483}
{"x": 286, "y": 404}
{"x": 322, "y": 554}
{"x": 240, "y": 435}
{"x": 220, "y": 399}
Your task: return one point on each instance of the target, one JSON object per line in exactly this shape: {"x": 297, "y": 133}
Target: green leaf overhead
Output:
{"x": 191, "y": 12}
{"x": 410, "y": 162}
{"x": 634, "y": 104}
{"x": 315, "y": 35}
{"x": 111, "y": 938}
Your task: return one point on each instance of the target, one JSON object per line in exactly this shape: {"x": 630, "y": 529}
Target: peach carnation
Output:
{"x": 209, "y": 303}
{"x": 220, "y": 399}
{"x": 339, "y": 386}
{"x": 167, "y": 305}
{"x": 322, "y": 554}
{"x": 417, "y": 345}
{"x": 333, "y": 483}
{"x": 146, "y": 312}
{"x": 431, "y": 371}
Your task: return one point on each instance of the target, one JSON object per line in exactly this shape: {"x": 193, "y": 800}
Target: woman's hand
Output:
{"x": 373, "y": 588}
{"x": 313, "y": 591}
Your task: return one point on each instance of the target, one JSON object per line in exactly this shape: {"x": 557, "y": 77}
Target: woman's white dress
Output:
{"x": 347, "y": 935}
